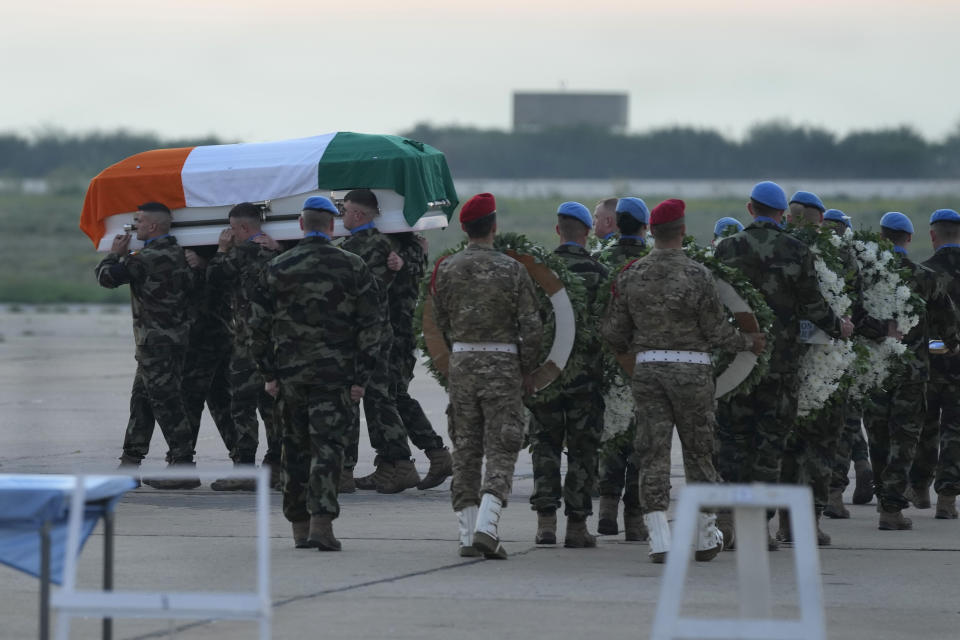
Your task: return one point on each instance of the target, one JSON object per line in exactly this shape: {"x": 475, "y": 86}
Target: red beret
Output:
{"x": 480, "y": 205}
{"x": 667, "y": 211}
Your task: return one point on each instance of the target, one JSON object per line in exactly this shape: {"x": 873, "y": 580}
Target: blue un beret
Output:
{"x": 319, "y": 203}
{"x": 837, "y": 216}
{"x": 636, "y": 208}
{"x": 576, "y": 210}
{"x": 725, "y": 223}
{"x": 770, "y": 194}
{"x": 896, "y": 221}
{"x": 808, "y": 199}
{"x": 945, "y": 215}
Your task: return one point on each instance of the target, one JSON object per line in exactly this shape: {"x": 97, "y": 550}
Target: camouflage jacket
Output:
{"x": 374, "y": 247}
{"x": 238, "y": 271}
{"x": 212, "y": 316}
{"x": 939, "y": 320}
{"x": 667, "y": 301}
{"x": 594, "y": 276}
{"x": 865, "y": 325}
{"x": 316, "y": 317}
{"x": 626, "y": 249}
{"x": 161, "y": 284}
{"x": 483, "y": 295}
{"x": 405, "y": 290}
{"x": 946, "y": 369}
{"x": 781, "y": 267}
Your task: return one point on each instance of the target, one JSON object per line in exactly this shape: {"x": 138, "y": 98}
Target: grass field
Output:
{"x": 46, "y": 259}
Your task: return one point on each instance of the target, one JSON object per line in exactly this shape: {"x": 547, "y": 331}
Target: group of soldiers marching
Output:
{"x": 300, "y": 335}
{"x": 304, "y": 335}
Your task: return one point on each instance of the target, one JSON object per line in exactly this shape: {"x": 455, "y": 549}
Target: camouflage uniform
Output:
{"x": 205, "y": 367}
{"x": 482, "y": 295}
{"x": 403, "y": 295}
{"x": 752, "y": 429}
{"x": 666, "y": 301}
{"x": 387, "y": 434}
{"x": 574, "y": 417}
{"x": 160, "y": 283}
{"x": 617, "y": 472}
{"x": 938, "y": 453}
{"x": 238, "y": 271}
{"x": 894, "y": 418}
{"x": 315, "y": 324}
{"x": 850, "y": 447}
{"x": 810, "y": 455}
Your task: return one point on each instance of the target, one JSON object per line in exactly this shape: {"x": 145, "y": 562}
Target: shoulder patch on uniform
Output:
{"x": 433, "y": 277}
{"x": 613, "y": 285}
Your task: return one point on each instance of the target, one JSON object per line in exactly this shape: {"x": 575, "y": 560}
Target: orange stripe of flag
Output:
{"x": 151, "y": 176}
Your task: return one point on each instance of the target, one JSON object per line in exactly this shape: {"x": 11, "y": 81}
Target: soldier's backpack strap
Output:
{"x": 613, "y": 285}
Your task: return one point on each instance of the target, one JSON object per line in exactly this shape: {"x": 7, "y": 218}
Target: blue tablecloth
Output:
{"x": 28, "y": 501}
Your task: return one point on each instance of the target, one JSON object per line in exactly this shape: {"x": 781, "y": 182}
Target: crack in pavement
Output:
{"x": 325, "y": 592}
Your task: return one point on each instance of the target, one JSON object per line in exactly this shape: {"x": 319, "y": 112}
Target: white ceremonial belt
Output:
{"x": 688, "y": 357}
{"x": 498, "y": 347}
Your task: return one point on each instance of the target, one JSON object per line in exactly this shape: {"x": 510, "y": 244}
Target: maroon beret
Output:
{"x": 667, "y": 211}
{"x": 480, "y": 205}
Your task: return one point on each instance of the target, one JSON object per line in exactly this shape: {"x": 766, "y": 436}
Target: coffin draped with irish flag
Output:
{"x": 200, "y": 184}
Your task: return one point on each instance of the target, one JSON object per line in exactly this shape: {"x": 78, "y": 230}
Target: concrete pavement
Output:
{"x": 64, "y": 383}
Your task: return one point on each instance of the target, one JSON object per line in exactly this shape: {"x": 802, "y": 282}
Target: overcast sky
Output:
{"x": 248, "y": 70}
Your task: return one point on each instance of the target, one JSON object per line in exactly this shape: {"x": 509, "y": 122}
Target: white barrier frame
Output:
{"x": 255, "y": 606}
{"x": 750, "y": 504}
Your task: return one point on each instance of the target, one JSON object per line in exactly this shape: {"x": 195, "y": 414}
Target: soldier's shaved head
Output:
{"x": 571, "y": 229}
{"x": 803, "y": 214}
{"x": 314, "y": 220}
{"x": 946, "y": 232}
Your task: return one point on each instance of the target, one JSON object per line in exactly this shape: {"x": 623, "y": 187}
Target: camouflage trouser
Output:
{"x": 315, "y": 422}
{"x": 205, "y": 381}
{"x": 157, "y": 396}
{"x": 938, "y": 453}
{"x": 247, "y": 397}
{"x": 811, "y": 452}
{"x": 576, "y": 419}
{"x": 485, "y": 421}
{"x": 387, "y": 433}
{"x": 752, "y": 430}
{"x": 894, "y": 420}
{"x": 851, "y": 446}
{"x": 617, "y": 472}
{"x": 415, "y": 421}
{"x": 669, "y": 394}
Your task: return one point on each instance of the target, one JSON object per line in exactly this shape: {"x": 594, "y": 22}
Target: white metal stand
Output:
{"x": 69, "y": 603}
{"x": 750, "y": 504}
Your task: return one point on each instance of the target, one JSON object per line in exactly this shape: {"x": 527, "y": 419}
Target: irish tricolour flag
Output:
{"x": 216, "y": 176}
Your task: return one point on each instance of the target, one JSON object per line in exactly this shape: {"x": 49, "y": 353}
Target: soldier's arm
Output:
{"x": 112, "y": 272}
{"x": 369, "y": 320}
{"x": 222, "y": 270}
{"x": 810, "y": 302}
{"x": 262, "y": 308}
{"x": 942, "y": 312}
{"x": 529, "y": 323}
{"x": 617, "y": 326}
{"x": 377, "y": 262}
{"x": 714, "y": 324}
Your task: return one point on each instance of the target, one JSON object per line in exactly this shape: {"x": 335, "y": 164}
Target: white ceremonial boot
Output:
{"x": 659, "y": 531}
{"x": 709, "y": 538}
{"x": 467, "y": 519}
{"x": 486, "y": 537}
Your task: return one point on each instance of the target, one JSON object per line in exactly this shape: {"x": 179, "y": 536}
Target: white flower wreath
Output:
{"x": 823, "y": 366}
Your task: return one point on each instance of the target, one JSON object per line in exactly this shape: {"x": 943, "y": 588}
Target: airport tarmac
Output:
{"x": 64, "y": 391}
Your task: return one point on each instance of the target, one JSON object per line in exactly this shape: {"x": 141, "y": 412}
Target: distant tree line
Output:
{"x": 53, "y": 153}
{"x": 769, "y": 149}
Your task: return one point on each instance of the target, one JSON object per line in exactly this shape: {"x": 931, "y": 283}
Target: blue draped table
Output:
{"x": 33, "y": 526}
